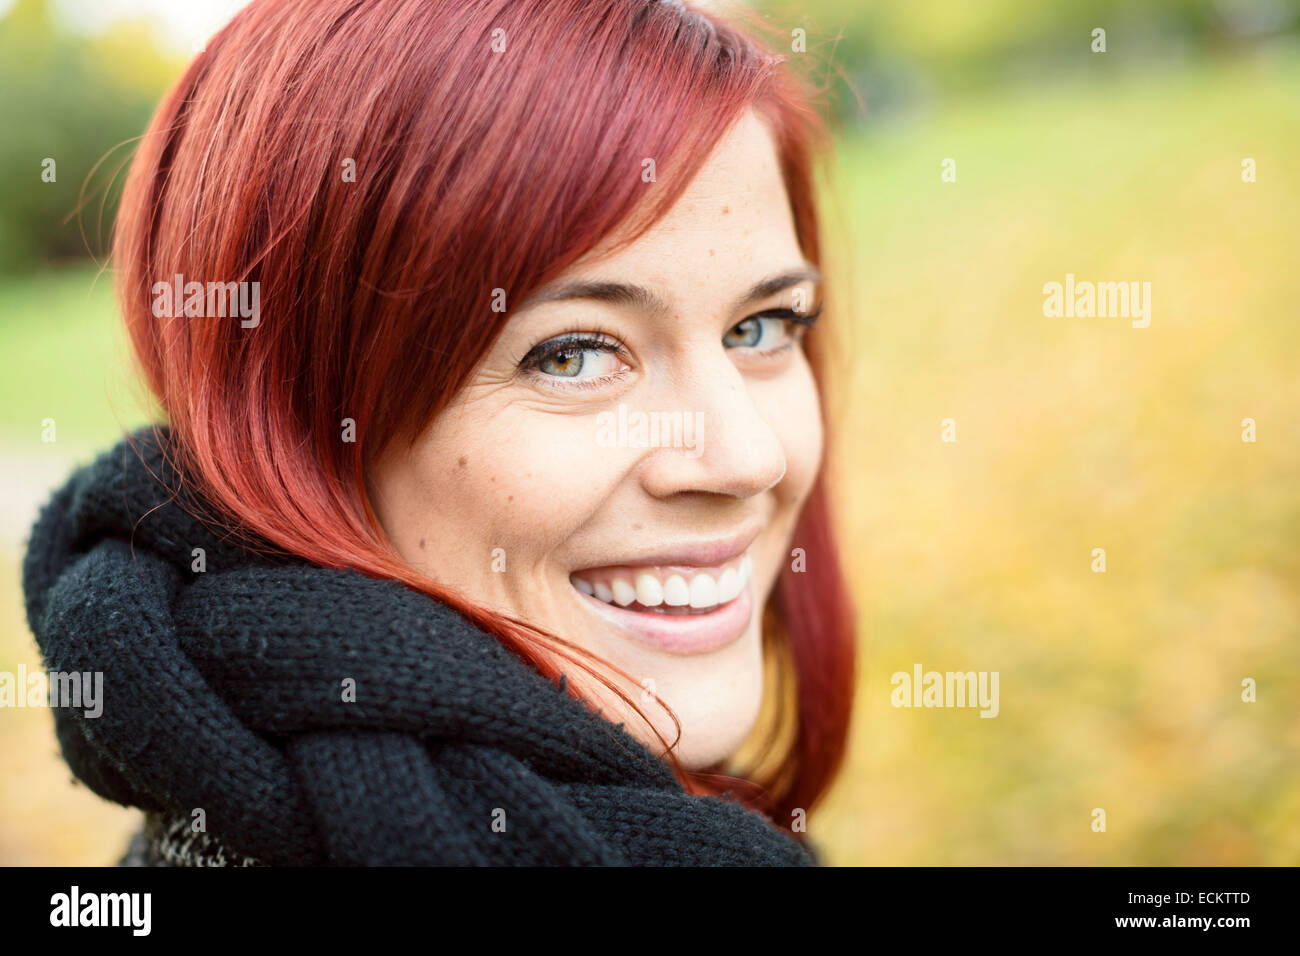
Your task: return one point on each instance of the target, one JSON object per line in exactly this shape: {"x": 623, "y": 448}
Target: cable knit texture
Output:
{"x": 223, "y": 690}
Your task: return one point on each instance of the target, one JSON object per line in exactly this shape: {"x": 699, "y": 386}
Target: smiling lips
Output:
{"x": 667, "y": 589}
{"x": 684, "y": 598}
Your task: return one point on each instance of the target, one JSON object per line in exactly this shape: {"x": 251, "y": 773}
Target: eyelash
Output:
{"x": 599, "y": 339}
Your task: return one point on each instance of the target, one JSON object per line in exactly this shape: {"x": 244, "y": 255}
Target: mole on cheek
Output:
{"x": 462, "y": 462}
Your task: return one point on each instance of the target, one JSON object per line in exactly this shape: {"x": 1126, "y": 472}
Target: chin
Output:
{"x": 718, "y": 703}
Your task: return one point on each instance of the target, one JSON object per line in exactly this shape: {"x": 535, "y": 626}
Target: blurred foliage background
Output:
{"x": 1119, "y": 691}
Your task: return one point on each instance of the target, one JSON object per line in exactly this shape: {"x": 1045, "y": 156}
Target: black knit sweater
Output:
{"x": 261, "y": 709}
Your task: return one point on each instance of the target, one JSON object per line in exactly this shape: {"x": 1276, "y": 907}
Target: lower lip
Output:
{"x": 680, "y": 633}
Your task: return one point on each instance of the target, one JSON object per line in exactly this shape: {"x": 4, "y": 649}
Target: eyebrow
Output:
{"x": 639, "y": 297}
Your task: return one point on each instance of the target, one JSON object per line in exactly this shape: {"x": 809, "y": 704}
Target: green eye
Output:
{"x": 577, "y": 359}
{"x": 573, "y": 360}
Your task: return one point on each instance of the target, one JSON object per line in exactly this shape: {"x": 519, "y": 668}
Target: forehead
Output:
{"x": 732, "y": 223}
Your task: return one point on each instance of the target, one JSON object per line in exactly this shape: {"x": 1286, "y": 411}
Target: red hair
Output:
{"x": 476, "y": 169}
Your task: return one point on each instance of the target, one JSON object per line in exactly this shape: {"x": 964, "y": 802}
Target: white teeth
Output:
{"x": 676, "y": 592}
{"x": 704, "y": 591}
{"x": 649, "y": 591}
{"x": 624, "y": 593}
{"x": 729, "y": 585}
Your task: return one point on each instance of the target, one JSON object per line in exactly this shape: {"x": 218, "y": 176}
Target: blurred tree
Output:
{"x": 78, "y": 101}
{"x": 893, "y": 51}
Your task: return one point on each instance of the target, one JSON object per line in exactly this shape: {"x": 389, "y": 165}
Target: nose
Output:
{"x": 737, "y": 453}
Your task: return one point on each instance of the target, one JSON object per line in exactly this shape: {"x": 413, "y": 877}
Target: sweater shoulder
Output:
{"x": 166, "y": 840}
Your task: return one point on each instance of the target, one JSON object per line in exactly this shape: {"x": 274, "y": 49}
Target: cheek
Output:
{"x": 794, "y": 414}
{"x": 514, "y": 481}
{"x": 793, "y": 411}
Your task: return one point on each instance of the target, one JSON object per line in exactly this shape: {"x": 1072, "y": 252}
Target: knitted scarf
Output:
{"x": 322, "y": 717}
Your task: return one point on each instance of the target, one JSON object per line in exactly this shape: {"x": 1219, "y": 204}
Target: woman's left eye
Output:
{"x": 768, "y": 332}
{"x": 757, "y": 332}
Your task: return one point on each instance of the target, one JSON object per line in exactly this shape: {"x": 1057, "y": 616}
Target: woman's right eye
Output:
{"x": 579, "y": 359}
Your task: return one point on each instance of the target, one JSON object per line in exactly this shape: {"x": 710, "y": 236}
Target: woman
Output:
{"x": 490, "y": 509}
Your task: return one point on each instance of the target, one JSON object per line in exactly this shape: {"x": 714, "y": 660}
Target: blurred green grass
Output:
{"x": 1119, "y": 691}
{"x": 66, "y": 358}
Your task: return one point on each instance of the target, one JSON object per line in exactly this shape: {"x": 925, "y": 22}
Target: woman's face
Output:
{"x": 625, "y": 467}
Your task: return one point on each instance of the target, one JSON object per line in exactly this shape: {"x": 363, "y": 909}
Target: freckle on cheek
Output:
{"x": 421, "y": 544}
{"x": 462, "y": 462}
